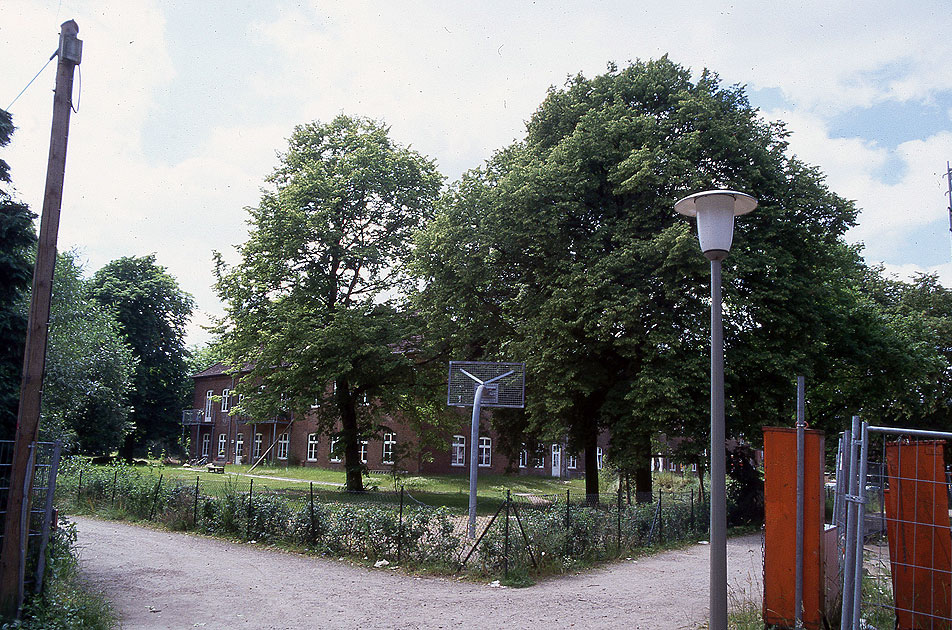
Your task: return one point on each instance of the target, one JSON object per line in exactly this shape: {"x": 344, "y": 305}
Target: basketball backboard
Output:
{"x": 505, "y": 384}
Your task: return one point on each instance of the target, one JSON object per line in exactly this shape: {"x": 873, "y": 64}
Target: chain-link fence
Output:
{"x": 524, "y": 532}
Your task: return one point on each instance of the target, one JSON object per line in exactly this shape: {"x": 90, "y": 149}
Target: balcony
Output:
{"x": 191, "y": 417}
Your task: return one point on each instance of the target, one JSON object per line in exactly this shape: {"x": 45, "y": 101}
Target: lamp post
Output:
{"x": 715, "y": 211}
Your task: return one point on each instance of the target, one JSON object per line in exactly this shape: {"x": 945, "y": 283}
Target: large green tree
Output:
{"x": 89, "y": 368}
{"x": 17, "y": 241}
{"x": 564, "y": 251}
{"x": 312, "y": 305}
{"x": 152, "y": 311}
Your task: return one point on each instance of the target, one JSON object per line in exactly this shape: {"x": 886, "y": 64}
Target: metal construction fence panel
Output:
{"x": 44, "y": 460}
{"x": 898, "y": 546}
{"x": 401, "y": 525}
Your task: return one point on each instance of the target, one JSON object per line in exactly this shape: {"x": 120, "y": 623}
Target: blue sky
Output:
{"x": 185, "y": 104}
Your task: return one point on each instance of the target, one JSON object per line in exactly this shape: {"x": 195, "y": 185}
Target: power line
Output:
{"x": 32, "y": 80}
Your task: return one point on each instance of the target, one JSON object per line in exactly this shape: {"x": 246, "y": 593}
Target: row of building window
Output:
{"x": 226, "y": 401}
{"x": 484, "y": 455}
{"x": 284, "y": 442}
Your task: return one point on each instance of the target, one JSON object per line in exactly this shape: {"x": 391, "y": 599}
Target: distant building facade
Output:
{"x": 218, "y": 436}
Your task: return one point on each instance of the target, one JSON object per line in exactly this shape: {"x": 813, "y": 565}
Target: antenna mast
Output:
{"x": 948, "y": 174}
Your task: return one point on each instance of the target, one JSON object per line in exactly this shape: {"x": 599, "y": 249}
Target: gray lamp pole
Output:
{"x": 715, "y": 211}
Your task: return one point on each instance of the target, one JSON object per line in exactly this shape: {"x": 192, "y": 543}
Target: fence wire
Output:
{"x": 521, "y": 532}
{"x": 903, "y": 530}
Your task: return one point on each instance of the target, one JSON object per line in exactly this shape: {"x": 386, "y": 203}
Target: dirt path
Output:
{"x": 160, "y": 580}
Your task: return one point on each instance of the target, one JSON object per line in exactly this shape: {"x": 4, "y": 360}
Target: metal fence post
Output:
{"x": 798, "y": 543}
{"x": 115, "y": 479}
{"x": 860, "y": 498}
{"x": 251, "y": 488}
{"x": 155, "y": 498}
{"x": 660, "y": 517}
{"x": 313, "y": 532}
{"x": 195, "y": 506}
{"x": 506, "y": 535}
{"x": 568, "y": 523}
{"x": 618, "y": 517}
{"x": 400, "y": 530}
{"x": 849, "y": 564}
{"x": 47, "y": 515}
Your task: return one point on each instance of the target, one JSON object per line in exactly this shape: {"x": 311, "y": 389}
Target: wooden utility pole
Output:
{"x": 16, "y": 525}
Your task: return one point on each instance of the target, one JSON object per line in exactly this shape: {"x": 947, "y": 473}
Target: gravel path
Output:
{"x": 161, "y": 580}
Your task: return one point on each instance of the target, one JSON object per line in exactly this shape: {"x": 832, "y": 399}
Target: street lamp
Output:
{"x": 715, "y": 211}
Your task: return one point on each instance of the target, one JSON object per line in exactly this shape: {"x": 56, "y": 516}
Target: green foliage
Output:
{"x": 67, "y": 603}
{"x": 200, "y": 358}
{"x": 89, "y": 368}
{"x": 312, "y": 302}
{"x": 152, "y": 311}
{"x": 564, "y": 251}
{"x": 17, "y": 241}
{"x": 368, "y": 526}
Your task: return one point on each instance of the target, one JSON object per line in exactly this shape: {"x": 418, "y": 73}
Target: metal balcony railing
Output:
{"x": 194, "y": 416}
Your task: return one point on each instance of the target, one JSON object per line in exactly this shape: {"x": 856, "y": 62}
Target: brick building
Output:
{"x": 218, "y": 436}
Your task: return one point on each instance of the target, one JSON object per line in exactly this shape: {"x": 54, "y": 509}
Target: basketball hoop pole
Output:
{"x": 499, "y": 385}
{"x": 474, "y": 458}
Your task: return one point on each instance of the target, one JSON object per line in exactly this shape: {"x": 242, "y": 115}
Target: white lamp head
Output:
{"x": 715, "y": 211}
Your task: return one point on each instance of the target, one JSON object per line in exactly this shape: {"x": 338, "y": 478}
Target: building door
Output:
{"x": 556, "y": 460}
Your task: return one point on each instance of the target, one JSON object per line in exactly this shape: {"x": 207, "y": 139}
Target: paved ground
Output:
{"x": 160, "y": 580}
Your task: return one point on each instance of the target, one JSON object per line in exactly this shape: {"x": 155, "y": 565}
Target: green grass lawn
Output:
{"x": 448, "y": 490}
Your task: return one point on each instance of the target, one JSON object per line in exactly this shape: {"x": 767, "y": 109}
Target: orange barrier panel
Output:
{"x": 917, "y": 529}
{"x": 780, "y": 527}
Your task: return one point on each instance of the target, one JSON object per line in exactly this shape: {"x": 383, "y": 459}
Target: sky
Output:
{"x": 184, "y": 106}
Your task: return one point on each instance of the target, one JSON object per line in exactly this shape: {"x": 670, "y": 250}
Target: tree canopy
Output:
{"x": 152, "y": 311}
{"x": 564, "y": 251}
{"x": 17, "y": 242}
{"x": 313, "y": 305}
{"x": 89, "y": 368}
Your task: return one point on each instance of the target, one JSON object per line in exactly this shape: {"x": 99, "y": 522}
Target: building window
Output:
{"x": 312, "y": 447}
{"x": 256, "y": 449}
{"x": 283, "y": 441}
{"x": 458, "y": 453}
{"x": 363, "y": 451}
{"x": 557, "y": 456}
{"x": 523, "y": 457}
{"x": 239, "y": 446}
{"x": 599, "y": 457}
{"x": 222, "y": 445}
{"x": 364, "y": 400}
{"x": 673, "y": 466}
{"x": 389, "y": 442}
{"x": 485, "y": 452}
{"x": 538, "y": 457}
{"x": 206, "y": 444}
{"x": 225, "y": 399}
{"x": 208, "y": 404}
{"x": 335, "y": 455}
{"x": 572, "y": 461}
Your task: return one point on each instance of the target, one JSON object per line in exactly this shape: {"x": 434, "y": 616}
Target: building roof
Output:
{"x": 219, "y": 369}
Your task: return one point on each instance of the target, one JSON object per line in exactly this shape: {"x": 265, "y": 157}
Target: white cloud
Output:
{"x": 908, "y": 271}
{"x": 457, "y": 81}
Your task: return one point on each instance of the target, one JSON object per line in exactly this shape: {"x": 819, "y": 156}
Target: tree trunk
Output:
{"x": 699, "y": 464}
{"x": 127, "y": 450}
{"x": 643, "y": 481}
{"x": 591, "y": 466}
{"x": 353, "y": 467}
